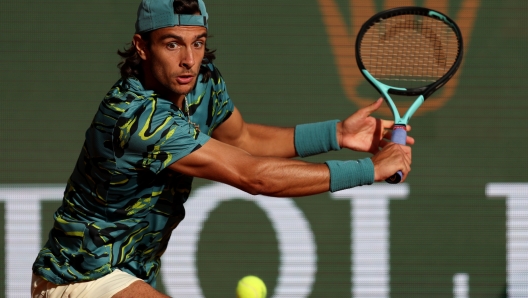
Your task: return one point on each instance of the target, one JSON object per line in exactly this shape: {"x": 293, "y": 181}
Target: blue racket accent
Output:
{"x": 399, "y": 136}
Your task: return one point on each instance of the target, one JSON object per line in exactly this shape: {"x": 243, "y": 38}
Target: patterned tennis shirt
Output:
{"x": 121, "y": 203}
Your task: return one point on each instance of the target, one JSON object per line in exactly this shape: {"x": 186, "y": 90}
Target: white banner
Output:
{"x": 369, "y": 239}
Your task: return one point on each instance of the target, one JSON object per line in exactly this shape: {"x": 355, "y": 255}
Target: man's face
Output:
{"x": 172, "y": 60}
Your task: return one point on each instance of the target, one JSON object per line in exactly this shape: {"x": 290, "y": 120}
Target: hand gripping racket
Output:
{"x": 411, "y": 51}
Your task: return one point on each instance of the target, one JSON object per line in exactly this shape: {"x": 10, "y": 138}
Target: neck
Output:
{"x": 179, "y": 101}
{"x": 152, "y": 84}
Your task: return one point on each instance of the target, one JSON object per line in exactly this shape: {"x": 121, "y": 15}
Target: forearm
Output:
{"x": 258, "y": 140}
{"x": 272, "y": 141}
{"x": 261, "y": 140}
{"x": 291, "y": 178}
{"x": 278, "y": 177}
{"x": 272, "y": 176}
{"x": 303, "y": 140}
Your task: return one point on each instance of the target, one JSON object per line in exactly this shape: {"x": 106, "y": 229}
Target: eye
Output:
{"x": 173, "y": 46}
{"x": 198, "y": 44}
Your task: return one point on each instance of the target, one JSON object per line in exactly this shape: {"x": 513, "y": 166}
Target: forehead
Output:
{"x": 185, "y": 32}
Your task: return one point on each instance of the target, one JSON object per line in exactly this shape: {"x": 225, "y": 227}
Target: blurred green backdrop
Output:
{"x": 58, "y": 59}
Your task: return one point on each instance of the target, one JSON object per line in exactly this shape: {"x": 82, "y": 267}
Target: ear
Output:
{"x": 141, "y": 46}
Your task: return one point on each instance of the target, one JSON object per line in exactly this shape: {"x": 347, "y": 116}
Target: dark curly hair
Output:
{"x": 130, "y": 65}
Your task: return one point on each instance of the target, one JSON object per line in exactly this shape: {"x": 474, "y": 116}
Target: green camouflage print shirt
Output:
{"x": 121, "y": 203}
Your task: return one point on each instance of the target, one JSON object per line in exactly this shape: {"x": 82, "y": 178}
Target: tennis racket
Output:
{"x": 410, "y": 51}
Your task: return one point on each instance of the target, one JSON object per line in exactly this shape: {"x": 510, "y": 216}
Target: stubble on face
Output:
{"x": 173, "y": 64}
{"x": 168, "y": 78}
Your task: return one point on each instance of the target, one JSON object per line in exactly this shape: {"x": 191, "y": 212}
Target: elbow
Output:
{"x": 256, "y": 179}
{"x": 253, "y": 185}
{"x": 255, "y": 182}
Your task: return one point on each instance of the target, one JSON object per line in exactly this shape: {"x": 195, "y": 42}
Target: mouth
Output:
{"x": 185, "y": 79}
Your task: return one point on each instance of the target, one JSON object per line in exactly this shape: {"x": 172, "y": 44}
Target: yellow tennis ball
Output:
{"x": 251, "y": 287}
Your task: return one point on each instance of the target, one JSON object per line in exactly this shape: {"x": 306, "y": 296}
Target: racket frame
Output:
{"x": 422, "y": 92}
{"x": 399, "y": 134}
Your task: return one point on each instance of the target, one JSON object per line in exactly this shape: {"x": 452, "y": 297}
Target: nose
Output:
{"x": 187, "y": 58}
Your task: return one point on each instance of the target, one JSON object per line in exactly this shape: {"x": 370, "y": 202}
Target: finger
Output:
{"x": 373, "y": 106}
{"x": 405, "y": 153}
{"x": 404, "y": 177}
{"x": 387, "y": 124}
{"x": 405, "y": 167}
{"x": 407, "y": 158}
{"x": 410, "y": 140}
{"x": 383, "y": 144}
{"x": 406, "y": 172}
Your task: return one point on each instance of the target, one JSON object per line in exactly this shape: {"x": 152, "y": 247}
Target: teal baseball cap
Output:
{"x": 155, "y": 14}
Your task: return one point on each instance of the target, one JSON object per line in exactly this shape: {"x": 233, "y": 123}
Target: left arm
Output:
{"x": 258, "y": 140}
{"x": 359, "y": 132}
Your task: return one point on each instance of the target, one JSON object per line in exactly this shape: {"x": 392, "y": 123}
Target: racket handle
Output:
{"x": 399, "y": 136}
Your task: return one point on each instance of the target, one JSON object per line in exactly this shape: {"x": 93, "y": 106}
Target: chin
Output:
{"x": 183, "y": 90}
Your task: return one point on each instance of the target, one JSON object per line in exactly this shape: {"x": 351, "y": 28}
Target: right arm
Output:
{"x": 277, "y": 177}
{"x": 272, "y": 176}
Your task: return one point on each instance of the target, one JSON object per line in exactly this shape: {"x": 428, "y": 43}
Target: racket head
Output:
{"x": 410, "y": 50}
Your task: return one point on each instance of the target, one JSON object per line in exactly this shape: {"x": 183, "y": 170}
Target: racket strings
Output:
{"x": 411, "y": 50}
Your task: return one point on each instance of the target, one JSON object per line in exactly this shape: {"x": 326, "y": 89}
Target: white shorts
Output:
{"x": 104, "y": 287}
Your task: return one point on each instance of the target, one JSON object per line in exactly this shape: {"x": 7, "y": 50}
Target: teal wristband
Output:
{"x": 350, "y": 173}
{"x": 315, "y": 138}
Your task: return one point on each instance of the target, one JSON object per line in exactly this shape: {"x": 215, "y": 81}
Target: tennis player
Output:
{"x": 168, "y": 119}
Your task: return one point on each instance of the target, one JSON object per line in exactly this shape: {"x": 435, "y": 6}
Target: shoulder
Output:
{"x": 209, "y": 84}
{"x": 128, "y": 97}
{"x": 140, "y": 112}
{"x": 124, "y": 94}
{"x": 210, "y": 75}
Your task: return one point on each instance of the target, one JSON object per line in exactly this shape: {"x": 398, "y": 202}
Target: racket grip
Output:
{"x": 399, "y": 136}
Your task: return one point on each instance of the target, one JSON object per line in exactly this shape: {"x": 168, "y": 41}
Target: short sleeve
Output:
{"x": 225, "y": 106}
{"x": 209, "y": 102}
{"x": 153, "y": 137}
